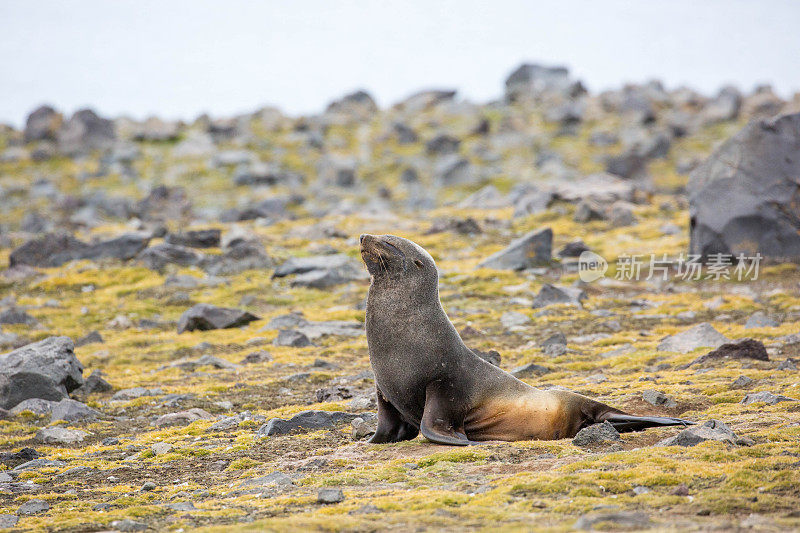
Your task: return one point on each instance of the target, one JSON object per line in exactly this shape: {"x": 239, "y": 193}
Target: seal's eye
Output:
{"x": 418, "y": 263}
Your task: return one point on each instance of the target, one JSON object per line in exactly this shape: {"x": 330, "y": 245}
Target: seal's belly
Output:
{"x": 534, "y": 416}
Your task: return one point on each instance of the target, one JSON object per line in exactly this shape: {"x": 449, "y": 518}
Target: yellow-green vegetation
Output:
{"x": 413, "y": 485}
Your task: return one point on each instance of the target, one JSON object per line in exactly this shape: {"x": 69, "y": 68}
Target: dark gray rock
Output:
{"x": 306, "y": 420}
{"x": 658, "y": 398}
{"x": 37, "y": 406}
{"x": 698, "y": 336}
{"x": 42, "y": 124}
{"x": 710, "y": 430}
{"x": 529, "y": 370}
{"x": 127, "y": 525}
{"x": 742, "y": 382}
{"x": 206, "y": 317}
{"x": 14, "y": 459}
{"x": 768, "y": 398}
{"x": 204, "y": 238}
{"x": 723, "y": 107}
{"x": 759, "y": 319}
{"x": 588, "y": 211}
{"x": 237, "y": 258}
{"x": 84, "y": 132}
{"x": 596, "y": 434}
{"x": 330, "y": 495}
{"x": 90, "y": 338}
{"x": 259, "y": 356}
{"x": 55, "y": 249}
{"x": 404, "y": 134}
{"x": 72, "y": 411}
{"x": 530, "y": 250}
{"x": 573, "y": 249}
{"x": 32, "y": 507}
{"x": 135, "y": 392}
{"x": 159, "y": 256}
{"x": 443, "y": 144}
{"x": 292, "y": 337}
{"x": 47, "y": 369}
{"x": 8, "y": 521}
{"x": 358, "y": 104}
{"x": 60, "y": 435}
{"x": 741, "y": 349}
{"x": 96, "y": 382}
{"x": 424, "y": 100}
{"x": 14, "y": 315}
{"x": 552, "y": 294}
{"x": 742, "y": 198}
{"x": 615, "y": 521}
{"x": 452, "y": 169}
{"x": 531, "y": 82}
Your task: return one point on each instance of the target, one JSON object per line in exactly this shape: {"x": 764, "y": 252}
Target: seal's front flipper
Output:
{"x": 440, "y": 423}
{"x": 391, "y": 426}
{"x": 624, "y": 422}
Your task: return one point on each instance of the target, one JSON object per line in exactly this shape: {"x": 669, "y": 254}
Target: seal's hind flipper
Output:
{"x": 623, "y": 422}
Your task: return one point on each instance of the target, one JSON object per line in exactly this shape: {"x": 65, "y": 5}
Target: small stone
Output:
{"x": 787, "y": 364}
{"x": 552, "y": 294}
{"x": 742, "y": 382}
{"x": 260, "y": 356}
{"x": 160, "y": 448}
{"x": 596, "y": 434}
{"x": 32, "y": 507}
{"x": 658, "y": 398}
{"x": 148, "y": 486}
{"x": 768, "y": 398}
{"x": 110, "y": 441}
{"x": 128, "y": 525}
{"x": 530, "y": 370}
{"x": 680, "y": 490}
{"x": 638, "y": 491}
{"x": 361, "y": 428}
{"x": 181, "y": 506}
{"x": 512, "y": 319}
{"x": 701, "y": 335}
{"x": 60, "y": 435}
{"x": 710, "y": 430}
{"x": 8, "y": 521}
{"x": 328, "y": 496}
{"x": 290, "y": 337}
{"x": 759, "y": 319}
{"x": 620, "y": 520}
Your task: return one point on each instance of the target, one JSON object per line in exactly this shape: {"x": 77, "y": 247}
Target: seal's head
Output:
{"x": 392, "y": 257}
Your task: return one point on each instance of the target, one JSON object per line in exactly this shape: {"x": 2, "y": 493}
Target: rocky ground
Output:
{"x": 182, "y": 313}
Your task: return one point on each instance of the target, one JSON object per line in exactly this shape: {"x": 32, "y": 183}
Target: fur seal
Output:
{"x": 428, "y": 381}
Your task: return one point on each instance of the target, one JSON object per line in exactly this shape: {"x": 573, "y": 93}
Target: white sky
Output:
{"x": 180, "y": 58}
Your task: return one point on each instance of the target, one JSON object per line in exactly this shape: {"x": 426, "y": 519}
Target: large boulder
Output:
{"x": 531, "y": 81}
{"x": 47, "y": 369}
{"x": 55, "y": 249}
{"x": 358, "y": 105}
{"x": 530, "y": 250}
{"x": 205, "y": 317}
{"x": 745, "y": 198}
{"x": 86, "y": 131}
{"x": 42, "y": 124}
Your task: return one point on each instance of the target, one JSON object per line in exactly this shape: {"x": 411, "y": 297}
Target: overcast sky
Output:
{"x": 180, "y": 58}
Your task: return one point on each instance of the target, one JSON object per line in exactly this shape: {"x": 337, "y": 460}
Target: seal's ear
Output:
{"x": 419, "y": 263}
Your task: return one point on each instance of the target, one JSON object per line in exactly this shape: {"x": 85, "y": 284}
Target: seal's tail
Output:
{"x": 623, "y": 422}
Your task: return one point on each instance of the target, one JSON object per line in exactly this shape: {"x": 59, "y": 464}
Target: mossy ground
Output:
{"x": 520, "y": 486}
